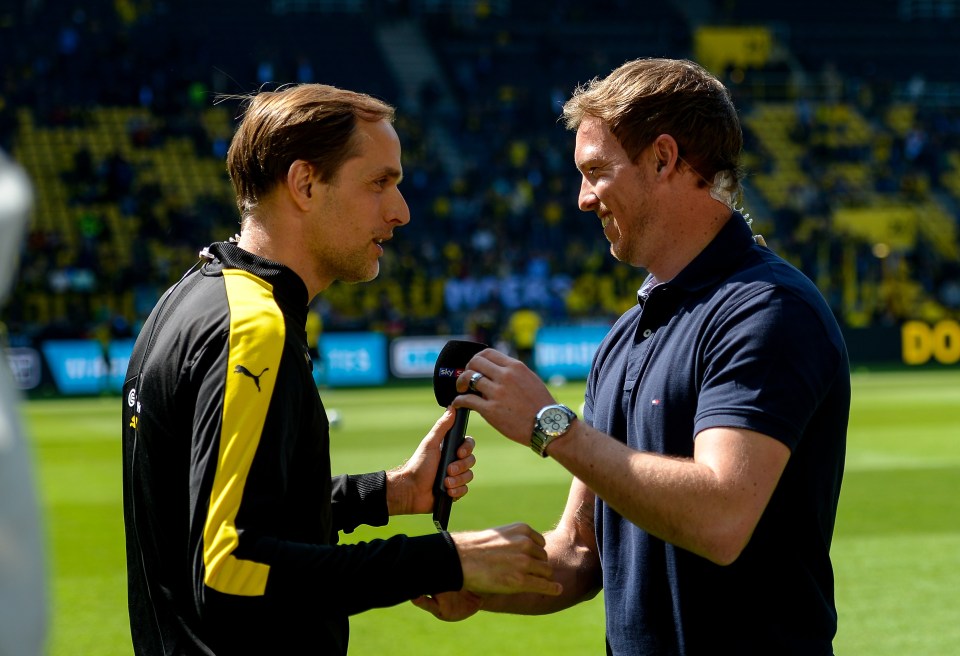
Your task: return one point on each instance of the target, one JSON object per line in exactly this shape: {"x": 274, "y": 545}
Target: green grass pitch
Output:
{"x": 896, "y": 550}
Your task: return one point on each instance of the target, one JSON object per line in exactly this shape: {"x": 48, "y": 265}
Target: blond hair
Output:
{"x": 645, "y": 98}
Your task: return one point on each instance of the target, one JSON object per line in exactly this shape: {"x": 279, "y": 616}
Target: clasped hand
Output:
{"x": 506, "y": 560}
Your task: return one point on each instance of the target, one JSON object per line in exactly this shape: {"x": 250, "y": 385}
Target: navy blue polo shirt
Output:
{"x": 742, "y": 339}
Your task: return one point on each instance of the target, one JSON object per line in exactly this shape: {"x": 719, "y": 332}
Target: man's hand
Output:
{"x": 505, "y": 560}
{"x": 508, "y": 394}
{"x": 450, "y": 606}
{"x": 410, "y": 486}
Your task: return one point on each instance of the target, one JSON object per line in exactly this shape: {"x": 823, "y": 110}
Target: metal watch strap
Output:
{"x": 539, "y": 442}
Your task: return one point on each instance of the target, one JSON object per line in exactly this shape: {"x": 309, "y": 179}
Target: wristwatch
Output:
{"x": 553, "y": 421}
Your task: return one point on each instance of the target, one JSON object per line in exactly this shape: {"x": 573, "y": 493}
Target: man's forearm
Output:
{"x": 708, "y": 504}
{"x": 573, "y": 554}
{"x": 577, "y": 570}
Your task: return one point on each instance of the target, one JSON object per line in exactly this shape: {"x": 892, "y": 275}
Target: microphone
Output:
{"x": 451, "y": 362}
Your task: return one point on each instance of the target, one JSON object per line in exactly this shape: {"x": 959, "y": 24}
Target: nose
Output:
{"x": 399, "y": 211}
{"x": 587, "y": 201}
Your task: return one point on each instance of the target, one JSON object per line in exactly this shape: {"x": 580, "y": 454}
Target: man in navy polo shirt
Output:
{"x": 709, "y": 459}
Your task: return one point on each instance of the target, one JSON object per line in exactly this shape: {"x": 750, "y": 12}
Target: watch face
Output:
{"x": 554, "y": 421}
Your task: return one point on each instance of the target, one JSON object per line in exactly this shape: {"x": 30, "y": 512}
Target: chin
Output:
{"x": 356, "y": 277}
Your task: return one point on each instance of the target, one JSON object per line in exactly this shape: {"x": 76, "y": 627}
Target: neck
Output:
{"x": 688, "y": 235}
{"x": 285, "y": 247}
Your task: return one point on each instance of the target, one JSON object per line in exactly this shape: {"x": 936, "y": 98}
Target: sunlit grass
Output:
{"x": 896, "y": 550}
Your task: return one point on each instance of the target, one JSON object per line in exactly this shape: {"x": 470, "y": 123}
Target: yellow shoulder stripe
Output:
{"x": 256, "y": 344}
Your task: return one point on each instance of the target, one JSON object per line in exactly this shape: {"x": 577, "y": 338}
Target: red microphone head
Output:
{"x": 451, "y": 362}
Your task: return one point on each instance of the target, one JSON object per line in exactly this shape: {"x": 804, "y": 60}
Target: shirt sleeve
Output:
{"x": 768, "y": 364}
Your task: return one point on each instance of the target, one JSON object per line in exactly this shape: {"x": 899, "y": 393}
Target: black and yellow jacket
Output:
{"x": 230, "y": 510}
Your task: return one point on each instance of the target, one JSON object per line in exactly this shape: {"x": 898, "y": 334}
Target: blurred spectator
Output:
{"x": 521, "y": 333}
{"x": 23, "y": 598}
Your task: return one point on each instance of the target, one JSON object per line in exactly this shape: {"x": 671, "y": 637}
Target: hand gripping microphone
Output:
{"x": 451, "y": 362}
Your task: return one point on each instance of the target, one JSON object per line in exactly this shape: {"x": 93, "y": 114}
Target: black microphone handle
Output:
{"x": 442, "y": 502}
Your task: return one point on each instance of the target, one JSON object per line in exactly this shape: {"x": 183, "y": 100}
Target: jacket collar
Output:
{"x": 288, "y": 287}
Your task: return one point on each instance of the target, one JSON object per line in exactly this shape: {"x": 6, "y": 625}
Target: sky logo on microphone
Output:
{"x": 449, "y": 372}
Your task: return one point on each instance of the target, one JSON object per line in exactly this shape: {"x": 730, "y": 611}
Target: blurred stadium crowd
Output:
{"x": 851, "y": 115}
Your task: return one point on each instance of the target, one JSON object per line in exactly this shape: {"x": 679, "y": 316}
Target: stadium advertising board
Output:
{"x": 361, "y": 359}
{"x": 353, "y": 359}
{"x": 415, "y": 357}
{"x": 77, "y": 365}
{"x": 923, "y": 342}
{"x": 118, "y": 356}
{"x": 567, "y": 351}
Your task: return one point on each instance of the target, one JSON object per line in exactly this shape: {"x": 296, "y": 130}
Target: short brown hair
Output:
{"x": 312, "y": 122}
{"x": 645, "y": 98}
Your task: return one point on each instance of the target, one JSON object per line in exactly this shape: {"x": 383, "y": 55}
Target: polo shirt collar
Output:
{"x": 713, "y": 263}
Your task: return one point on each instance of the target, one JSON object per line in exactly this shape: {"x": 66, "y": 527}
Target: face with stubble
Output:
{"x": 361, "y": 206}
{"x": 619, "y": 192}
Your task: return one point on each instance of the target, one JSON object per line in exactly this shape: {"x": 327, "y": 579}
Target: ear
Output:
{"x": 665, "y": 152}
{"x": 302, "y": 183}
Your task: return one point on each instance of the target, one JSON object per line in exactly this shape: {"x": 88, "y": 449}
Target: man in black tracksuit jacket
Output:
{"x": 230, "y": 509}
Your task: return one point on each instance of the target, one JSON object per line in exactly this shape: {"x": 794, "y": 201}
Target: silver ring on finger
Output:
{"x": 474, "y": 379}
